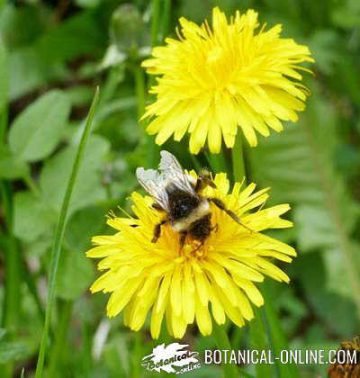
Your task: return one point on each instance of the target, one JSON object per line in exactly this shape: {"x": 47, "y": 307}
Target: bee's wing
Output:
{"x": 168, "y": 162}
{"x": 173, "y": 172}
{"x": 154, "y": 184}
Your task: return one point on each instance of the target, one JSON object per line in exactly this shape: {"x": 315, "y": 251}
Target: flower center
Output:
{"x": 194, "y": 249}
{"x": 215, "y": 54}
{"x": 220, "y": 71}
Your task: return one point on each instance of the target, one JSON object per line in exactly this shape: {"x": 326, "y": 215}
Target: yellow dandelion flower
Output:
{"x": 190, "y": 284}
{"x": 214, "y": 80}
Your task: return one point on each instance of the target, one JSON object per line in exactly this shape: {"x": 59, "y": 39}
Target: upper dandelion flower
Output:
{"x": 216, "y": 79}
{"x": 191, "y": 282}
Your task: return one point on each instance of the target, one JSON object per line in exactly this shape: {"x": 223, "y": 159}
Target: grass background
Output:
{"x": 52, "y": 56}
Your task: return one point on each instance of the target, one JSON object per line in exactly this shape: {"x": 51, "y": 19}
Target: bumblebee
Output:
{"x": 178, "y": 196}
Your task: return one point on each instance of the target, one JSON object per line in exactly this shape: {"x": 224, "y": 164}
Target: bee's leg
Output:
{"x": 157, "y": 230}
{"x": 156, "y": 206}
{"x": 182, "y": 239}
{"x": 204, "y": 180}
{"x": 198, "y": 247}
{"x": 220, "y": 204}
{"x": 215, "y": 228}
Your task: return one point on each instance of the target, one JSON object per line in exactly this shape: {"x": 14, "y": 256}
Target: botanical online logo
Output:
{"x": 173, "y": 358}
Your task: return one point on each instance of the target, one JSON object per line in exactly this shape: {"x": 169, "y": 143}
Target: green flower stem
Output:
{"x": 258, "y": 340}
{"x": 137, "y": 354}
{"x": 140, "y": 89}
{"x": 148, "y": 141}
{"x": 217, "y": 162}
{"x": 223, "y": 342}
{"x": 32, "y": 185}
{"x": 166, "y": 17}
{"x": 238, "y": 162}
{"x": 266, "y": 320}
{"x": 276, "y": 334}
{"x": 152, "y": 150}
{"x": 155, "y": 21}
{"x": 59, "y": 235}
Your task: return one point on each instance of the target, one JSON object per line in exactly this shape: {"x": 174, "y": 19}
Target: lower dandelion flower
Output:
{"x": 191, "y": 283}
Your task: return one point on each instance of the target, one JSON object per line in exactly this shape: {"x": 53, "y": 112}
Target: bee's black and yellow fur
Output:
{"x": 184, "y": 207}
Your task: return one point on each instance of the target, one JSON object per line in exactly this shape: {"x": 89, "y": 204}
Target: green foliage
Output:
{"x": 32, "y": 217}
{"x": 56, "y": 171}
{"x": 75, "y": 275}
{"x": 298, "y": 165}
{"x": 52, "y": 55}
{"x": 11, "y": 166}
{"x": 11, "y": 350}
{"x": 36, "y": 132}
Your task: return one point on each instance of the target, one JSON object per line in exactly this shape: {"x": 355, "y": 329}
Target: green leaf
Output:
{"x": 20, "y": 26}
{"x": 12, "y": 351}
{"x": 298, "y": 164}
{"x": 84, "y": 224}
{"x": 32, "y": 217}
{"x": 75, "y": 275}
{"x": 346, "y": 14}
{"x": 2, "y": 333}
{"x": 26, "y": 72}
{"x": 40, "y": 246}
{"x": 56, "y": 172}
{"x": 37, "y": 130}
{"x": 11, "y": 167}
{"x": 276, "y": 334}
{"x": 222, "y": 342}
{"x": 259, "y": 340}
{"x": 337, "y": 312}
{"x": 78, "y": 35}
{"x": 337, "y": 271}
{"x": 323, "y": 44}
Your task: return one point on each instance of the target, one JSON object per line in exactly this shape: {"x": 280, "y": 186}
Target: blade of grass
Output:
{"x": 59, "y": 351}
{"x": 59, "y": 235}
